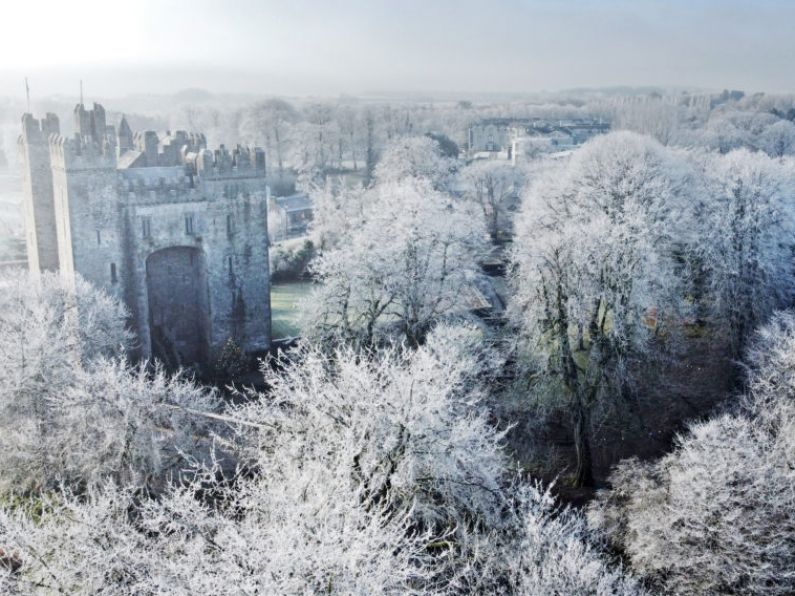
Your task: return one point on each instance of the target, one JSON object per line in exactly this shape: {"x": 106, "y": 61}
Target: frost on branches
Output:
{"x": 746, "y": 241}
{"x": 493, "y": 186}
{"x": 718, "y": 514}
{"x": 411, "y": 261}
{"x": 595, "y": 273}
{"x": 71, "y": 409}
{"x": 417, "y": 158}
{"x": 363, "y": 475}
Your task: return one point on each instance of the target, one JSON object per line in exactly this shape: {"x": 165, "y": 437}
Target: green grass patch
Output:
{"x": 284, "y": 307}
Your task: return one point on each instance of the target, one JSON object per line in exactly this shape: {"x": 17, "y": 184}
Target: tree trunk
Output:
{"x": 583, "y": 475}
{"x": 582, "y": 428}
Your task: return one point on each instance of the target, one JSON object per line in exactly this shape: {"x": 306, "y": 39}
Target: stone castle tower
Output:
{"x": 176, "y": 231}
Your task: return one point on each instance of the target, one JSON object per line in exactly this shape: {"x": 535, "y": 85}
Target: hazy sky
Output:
{"x": 356, "y": 46}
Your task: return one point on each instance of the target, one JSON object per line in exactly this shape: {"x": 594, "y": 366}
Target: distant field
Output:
{"x": 284, "y": 307}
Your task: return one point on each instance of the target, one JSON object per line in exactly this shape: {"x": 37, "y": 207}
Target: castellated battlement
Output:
{"x": 38, "y": 131}
{"x": 40, "y": 224}
{"x": 242, "y": 162}
{"x": 75, "y": 154}
{"x": 177, "y": 231}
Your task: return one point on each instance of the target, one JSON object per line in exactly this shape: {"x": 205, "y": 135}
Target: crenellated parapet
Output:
{"x": 37, "y": 183}
{"x": 241, "y": 162}
{"x": 176, "y": 230}
{"x": 80, "y": 153}
{"x": 38, "y": 131}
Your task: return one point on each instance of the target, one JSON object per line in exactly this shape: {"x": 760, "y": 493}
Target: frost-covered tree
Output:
{"x": 656, "y": 118}
{"x": 47, "y": 331}
{"x": 71, "y": 410}
{"x": 717, "y": 515}
{"x": 753, "y": 130}
{"x": 411, "y": 261}
{"x": 337, "y": 209}
{"x": 494, "y": 186}
{"x": 414, "y": 157}
{"x": 45, "y": 322}
{"x": 353, "y": 458}
{"x": 556, "y": 553}
{"x": 364, "y": 475}
{"x": 134, "y": 425}
{"x": 747, "y": 238}
{"x": 271, "y": 121}
{"x": 778, "y": 139}
{"x": 595, "y": 274}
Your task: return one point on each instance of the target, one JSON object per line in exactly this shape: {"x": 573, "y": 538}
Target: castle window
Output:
{"x": 230, "y": 226}
{"x": 99, "y": 238}
{"x": 189, "y": 225}
{"x": 114, "y": 278}
{"x": 146, "y": 227}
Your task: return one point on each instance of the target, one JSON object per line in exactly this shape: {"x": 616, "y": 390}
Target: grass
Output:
{"x": 284, "y": 307}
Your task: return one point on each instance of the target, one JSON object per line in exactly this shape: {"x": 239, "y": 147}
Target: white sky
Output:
{"x": 353, "y": 46}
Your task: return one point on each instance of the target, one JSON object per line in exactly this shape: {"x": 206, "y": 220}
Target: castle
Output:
{"x": 176, "y": 231}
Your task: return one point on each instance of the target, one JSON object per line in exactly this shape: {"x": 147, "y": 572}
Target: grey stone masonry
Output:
{"x": 175, "y": 230}
{"x": 34, "y": 150}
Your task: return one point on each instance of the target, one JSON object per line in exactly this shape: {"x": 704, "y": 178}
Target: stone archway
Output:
{"x": 179, "y": 314}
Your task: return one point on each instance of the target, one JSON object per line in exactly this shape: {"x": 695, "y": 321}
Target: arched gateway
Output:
{"x": 179, "y": 314}
{"x": 177, "y": 231}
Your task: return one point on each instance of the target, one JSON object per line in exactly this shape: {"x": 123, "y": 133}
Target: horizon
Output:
{"x": 354, "y": 48}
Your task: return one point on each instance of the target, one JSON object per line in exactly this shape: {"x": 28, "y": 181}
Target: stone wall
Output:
{"x": 39, "y": 208}
{"x": 184, "y": 246}
{"x": 88, "y": 215}
{"x": 227, "y": 224}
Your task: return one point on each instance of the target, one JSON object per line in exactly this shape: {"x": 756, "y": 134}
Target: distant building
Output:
{"x": 503, "y": 137}
{"x": 491, "y": 135}
{"x": 176, "y": 231}
{"x": 289, "y": 217}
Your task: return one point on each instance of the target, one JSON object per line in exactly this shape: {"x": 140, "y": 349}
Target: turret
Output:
{"x": 92, "y": 127}
{"x": 150, "y": 143}
{"x": 37, "y": 182}
{"x": 125, "y": 136}
{"x": 87, "y": 210}
{"x": 82, "y": 120}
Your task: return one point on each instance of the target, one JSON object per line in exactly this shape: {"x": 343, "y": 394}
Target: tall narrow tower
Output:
{"x": 125, "y": 136}
{"x": 87, "y": 208}
{"x": 42, "y": 242}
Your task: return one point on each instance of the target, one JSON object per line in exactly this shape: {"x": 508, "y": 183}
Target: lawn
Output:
{"x": 284, "y": 307}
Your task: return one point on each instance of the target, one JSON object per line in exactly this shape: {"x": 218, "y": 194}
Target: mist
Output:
{"x": 357, "y": 47}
